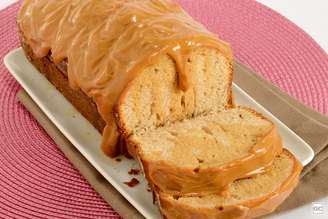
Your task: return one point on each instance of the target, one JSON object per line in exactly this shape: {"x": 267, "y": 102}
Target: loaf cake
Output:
{"x": 108, "y": 44}
{"x": 158, "y": 86}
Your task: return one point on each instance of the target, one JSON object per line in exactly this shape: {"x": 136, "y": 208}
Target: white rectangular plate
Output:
{"x": 87, "y": 139}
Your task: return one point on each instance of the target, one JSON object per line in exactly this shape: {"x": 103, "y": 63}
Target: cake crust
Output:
{"x": 58, "y": 78}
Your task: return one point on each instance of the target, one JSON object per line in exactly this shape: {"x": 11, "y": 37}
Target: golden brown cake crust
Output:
{"x": 80, "y": 100}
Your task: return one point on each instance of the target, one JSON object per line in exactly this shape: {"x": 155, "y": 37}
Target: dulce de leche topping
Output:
{"x": 107, "y": 43}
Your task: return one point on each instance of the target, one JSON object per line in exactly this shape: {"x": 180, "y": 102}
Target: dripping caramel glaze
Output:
{"x": 107, "y": 43}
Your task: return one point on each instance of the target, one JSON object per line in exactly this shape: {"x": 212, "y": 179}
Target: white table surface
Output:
{"x": 311, "y": 16}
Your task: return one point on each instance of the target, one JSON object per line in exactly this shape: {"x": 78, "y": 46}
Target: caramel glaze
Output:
{"x": 246, "y": 209}
{"x": 107, "y": 43}
{"x": 202, "y": 181}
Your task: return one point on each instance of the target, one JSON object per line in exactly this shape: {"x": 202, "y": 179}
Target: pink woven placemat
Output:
{"x": 36, "y": 180}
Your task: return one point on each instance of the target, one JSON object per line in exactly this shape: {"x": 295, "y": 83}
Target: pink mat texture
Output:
{"x": 37, "y": 181}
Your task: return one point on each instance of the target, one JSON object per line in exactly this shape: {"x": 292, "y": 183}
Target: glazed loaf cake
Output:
{"x": 158, "y": 86}
{"x": 111, "y": 47}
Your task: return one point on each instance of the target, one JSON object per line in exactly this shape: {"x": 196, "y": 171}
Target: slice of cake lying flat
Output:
{"x": 245, "y": 198}
{"x": 202, "y": 155}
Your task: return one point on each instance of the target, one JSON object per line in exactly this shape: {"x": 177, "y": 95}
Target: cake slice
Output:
{"x": 245, "y": 198}
{"x": 202, "y": 155}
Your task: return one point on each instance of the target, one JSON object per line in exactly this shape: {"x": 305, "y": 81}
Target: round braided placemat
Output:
{"x": 36, "y": 180}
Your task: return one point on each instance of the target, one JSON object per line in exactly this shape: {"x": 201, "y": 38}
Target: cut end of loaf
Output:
{"x": 154, "y": 98}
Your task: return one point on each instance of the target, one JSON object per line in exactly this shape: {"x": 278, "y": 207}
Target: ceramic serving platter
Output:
{"x": 87, "y": 139}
